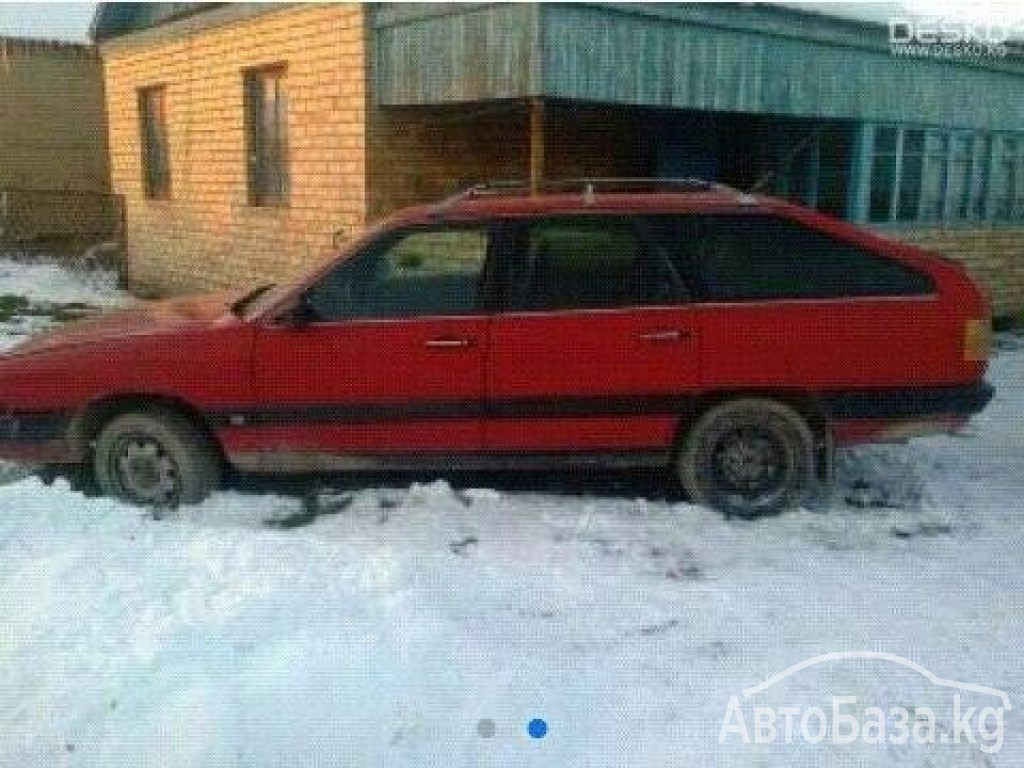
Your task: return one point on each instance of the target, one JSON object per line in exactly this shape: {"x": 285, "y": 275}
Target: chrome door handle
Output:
{"x": 447, "y": 343}
{"x": 667, "y": 335}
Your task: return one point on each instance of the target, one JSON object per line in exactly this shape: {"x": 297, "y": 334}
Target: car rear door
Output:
{"x": 391, "y": 366}
{"x": 594, "y": 349}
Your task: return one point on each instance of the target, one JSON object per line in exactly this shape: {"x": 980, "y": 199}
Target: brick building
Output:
{"x": 248, "y": 139}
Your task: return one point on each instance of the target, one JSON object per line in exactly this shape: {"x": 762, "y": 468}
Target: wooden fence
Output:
{"x": 67, "y": 222}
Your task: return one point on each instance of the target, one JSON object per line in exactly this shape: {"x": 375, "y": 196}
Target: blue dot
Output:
{"x": 537, "y": 729}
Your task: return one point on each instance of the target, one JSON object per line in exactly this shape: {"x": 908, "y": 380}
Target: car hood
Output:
{"x": 141, "y": 319}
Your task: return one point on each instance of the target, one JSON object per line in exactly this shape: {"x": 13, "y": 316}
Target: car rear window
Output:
{"x": 758, "y": 258}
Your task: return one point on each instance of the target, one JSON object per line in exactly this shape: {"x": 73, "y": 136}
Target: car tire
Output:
{"x": 748, "y": 457}
{"x": 155, "y": 458}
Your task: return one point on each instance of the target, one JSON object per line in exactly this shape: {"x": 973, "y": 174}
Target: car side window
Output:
{"x": 593, "y": 262}
{"x": 760, "y": 258}
{"x": 423, "y": 272}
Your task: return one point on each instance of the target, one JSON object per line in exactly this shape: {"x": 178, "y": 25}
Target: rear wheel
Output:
{"x": 748, "y": 457}
{"x": 155, "y": 458}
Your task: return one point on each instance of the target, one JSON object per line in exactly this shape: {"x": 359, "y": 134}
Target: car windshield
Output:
{"x": 266, "y": 296}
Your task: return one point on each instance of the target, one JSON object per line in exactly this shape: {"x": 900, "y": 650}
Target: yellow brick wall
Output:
{"x": 422, "y": 154}
{"x": 993, "y": 255}
{"x": 207, "y": 235}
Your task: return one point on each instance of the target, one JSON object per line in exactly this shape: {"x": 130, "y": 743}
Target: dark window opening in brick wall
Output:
{"x": 266, "y": 135}
{"x": 156, "y": 169}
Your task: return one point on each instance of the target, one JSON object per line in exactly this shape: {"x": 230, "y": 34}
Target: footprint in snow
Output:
{"x": 463, "y": 546}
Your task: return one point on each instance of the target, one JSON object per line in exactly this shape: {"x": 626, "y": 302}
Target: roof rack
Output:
{"x": 590, "y": 187}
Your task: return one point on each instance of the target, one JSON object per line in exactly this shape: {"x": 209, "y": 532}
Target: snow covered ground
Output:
{"x": 34, "y": 295}
{"x": 50, "y": 282}
{"x": 381, "y": 625}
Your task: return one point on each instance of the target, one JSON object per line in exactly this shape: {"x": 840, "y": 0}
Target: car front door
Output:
{"x": 390, "y": 363}
{"x": 596, "y": 348}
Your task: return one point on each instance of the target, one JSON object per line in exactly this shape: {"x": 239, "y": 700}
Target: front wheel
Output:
{"x": 155, "y": 458}
{"x": 748, "y": 457}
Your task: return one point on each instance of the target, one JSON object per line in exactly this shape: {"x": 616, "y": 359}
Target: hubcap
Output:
{"x": 750, "y": 461}
{"x": 145, "y": 472}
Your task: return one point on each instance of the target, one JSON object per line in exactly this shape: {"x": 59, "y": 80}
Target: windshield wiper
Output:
{"x": 239, "y": 305}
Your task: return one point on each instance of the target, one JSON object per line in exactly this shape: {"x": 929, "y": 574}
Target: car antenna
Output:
{"x": 767, "y": 177}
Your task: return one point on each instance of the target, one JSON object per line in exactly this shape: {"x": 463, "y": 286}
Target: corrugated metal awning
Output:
{"x": 733, "y": 58}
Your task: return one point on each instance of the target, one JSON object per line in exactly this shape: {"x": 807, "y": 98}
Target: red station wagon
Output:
{"x": 733, "y": 338}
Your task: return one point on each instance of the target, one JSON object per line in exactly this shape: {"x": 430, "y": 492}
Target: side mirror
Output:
{"x": 299, "y": 315}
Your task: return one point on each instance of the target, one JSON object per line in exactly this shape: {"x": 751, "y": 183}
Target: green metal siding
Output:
{"x": 601, "y": 54}
{"x": 438, "y": 53}
{"x": 754, "y": 59}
